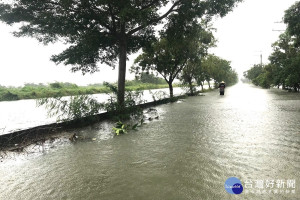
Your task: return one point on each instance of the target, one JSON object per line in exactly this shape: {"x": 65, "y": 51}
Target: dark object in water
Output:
{"x": 73, "y": 137}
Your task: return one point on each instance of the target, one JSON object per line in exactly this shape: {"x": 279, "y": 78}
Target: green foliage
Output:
{"x": 56, "y": 85}
{"x": 292, "y": 19}
{"x": 283, "y": 69}
{"x": 262, "y": 81}
{"x": 146, "y": 77}
{"x": 102, "y": 31}
{"x": 193, "y": 73}
{"x": 179, "y": 43}
{"x": 253, "y": 73}
{"x": 218, "y": 69}
{"x": 82, "y": 106}
{"x": 35, "y": 91}
{"x": 136, "y": 85}
{"x": 8, "y": 96}
{"x": 72, "y": 108}
{"x": 260, "y": 75}
{"x": 113, "y": 88}
{"x": 130, "y": 108}
{"x": 122, "y": 128}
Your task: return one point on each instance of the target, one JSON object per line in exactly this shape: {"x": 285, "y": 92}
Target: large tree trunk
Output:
{"x": 122, "y": 68}
{"x": 296, "y": 87}
{"x": 208, "y": 84}
{"x": 171, "y": 89}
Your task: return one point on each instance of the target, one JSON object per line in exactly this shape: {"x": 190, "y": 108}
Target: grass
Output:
{"x": 35, "y": 91}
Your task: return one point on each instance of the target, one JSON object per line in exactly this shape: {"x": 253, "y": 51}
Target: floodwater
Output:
{"x": 188, "y": 153}
{"x": 23, "y": 114}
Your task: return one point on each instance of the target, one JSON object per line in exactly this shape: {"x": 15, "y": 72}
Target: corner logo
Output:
{"x": 233, "y": 185}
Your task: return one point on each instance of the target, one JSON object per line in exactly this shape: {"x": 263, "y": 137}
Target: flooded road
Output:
{"x": 188, "y": 153}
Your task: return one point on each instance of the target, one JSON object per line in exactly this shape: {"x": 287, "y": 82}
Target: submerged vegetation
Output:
{"x": 121, "y": 128}
{"x": 81, "y": 106}
{"x": 84, "y": 109}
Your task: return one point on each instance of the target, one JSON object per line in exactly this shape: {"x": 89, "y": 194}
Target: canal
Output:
{"x": 24, "y": 114}
{"x": 188, "y": 153}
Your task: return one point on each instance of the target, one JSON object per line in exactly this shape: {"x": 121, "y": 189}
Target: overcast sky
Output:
{"x": 248, "y": 31}
{"x": 242, "y": 36}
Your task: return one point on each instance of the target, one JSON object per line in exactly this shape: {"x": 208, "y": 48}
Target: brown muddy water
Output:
{"x": 188, "y": 153}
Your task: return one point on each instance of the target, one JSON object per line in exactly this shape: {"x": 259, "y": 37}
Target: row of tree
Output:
{"x": 181, "y": 52}
{"x": 284, "y": 67}
{"x": 107, "y": 31}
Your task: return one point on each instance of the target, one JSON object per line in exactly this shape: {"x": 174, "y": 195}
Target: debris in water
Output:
{"x": 73, "y": 137}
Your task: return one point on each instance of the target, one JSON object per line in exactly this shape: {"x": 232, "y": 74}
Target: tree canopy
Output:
{"x": 193, "y": 73}
{"x": 101, "y": 31}
{"x": 219, "y": 69}
{"x": 292, "y": 19}
{"x": 178, "y": 44}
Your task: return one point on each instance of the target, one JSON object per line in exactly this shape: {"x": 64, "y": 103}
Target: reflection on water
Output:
{"x": 249, "y": 133}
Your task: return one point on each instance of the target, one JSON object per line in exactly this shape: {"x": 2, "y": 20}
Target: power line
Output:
{"x": 278, "y": 22}
{"x": 278, "y": 30}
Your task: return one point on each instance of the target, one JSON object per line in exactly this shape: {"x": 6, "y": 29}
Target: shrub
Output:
{"x": 8, "y": 96}
{"x": 56, "y": 85}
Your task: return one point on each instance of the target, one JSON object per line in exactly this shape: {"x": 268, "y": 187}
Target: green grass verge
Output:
{"x": 33, "y": 91}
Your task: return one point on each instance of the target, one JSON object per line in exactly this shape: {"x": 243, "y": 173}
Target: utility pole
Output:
{"x": 261, "y": 59}
{"x": 260, "y": 55}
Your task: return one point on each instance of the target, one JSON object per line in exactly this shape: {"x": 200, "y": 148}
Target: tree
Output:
{"x": 145, "y": 77}
{"x": 254, "y": 72}
{"x": 100, "y": 30}
{"x": 208, "y": 66}
{"x": 193, "y": 70}
{"x": 286, "y": 61}
{"x": 188, "y": 75}
{"x": 170, "y": 54}
{"x": 292, "y": 19}
{"x": 219, "y": 69}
